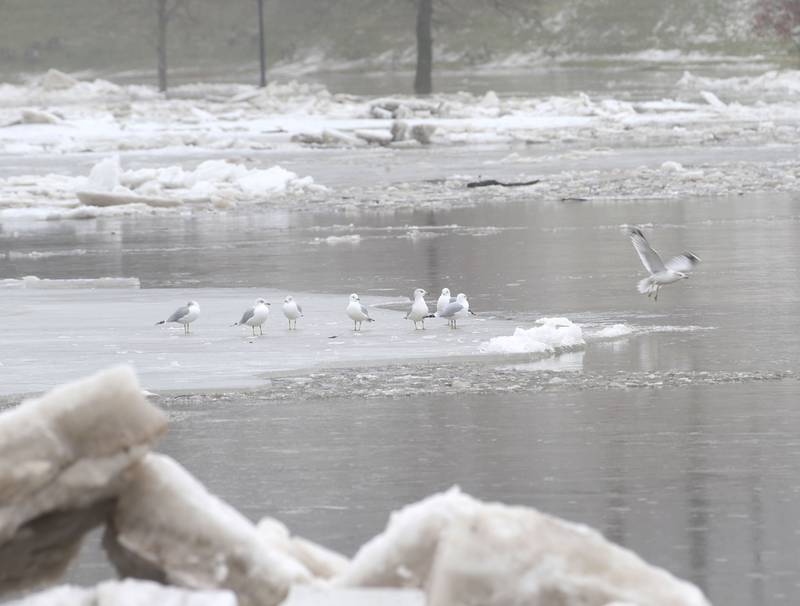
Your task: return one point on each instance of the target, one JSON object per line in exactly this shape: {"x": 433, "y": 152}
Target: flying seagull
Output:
{"x": 184, "y": 315}
{"x": 677, "y": 268}
{"x": 358, "y": 313}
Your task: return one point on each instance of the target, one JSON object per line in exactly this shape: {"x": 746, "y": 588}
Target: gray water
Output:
{"x": 701, "y": 479}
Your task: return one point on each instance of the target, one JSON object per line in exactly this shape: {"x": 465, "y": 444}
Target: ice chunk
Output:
{"x": 462, "y": 551}
{"x": 712, "y": 99}
{"x": 56, "y": 80}
{"x": 320, "y": 561}
{"x": 62, "y": 456}
{"x": 168, "y": 527}
{"x": 104, "y": 175}
{"x": 615, "y": 331}
{"x": 35, "y": 282}
{"x": 129, "y": 592}
{"x": 327, "y": 596}
{"x": 549, "y": 336}
{"x": 670, "y": 166}
{"x": 38, "y": 116}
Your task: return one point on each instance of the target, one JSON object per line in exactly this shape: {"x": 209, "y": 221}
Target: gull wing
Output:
{"x": 684, "y": 262}
{"x": 299, "y": 309}
{"x": 650, "y": 259}
{"x": 364, "y": 310}
{"x": 451, "y": 310}
{"x": 178, "y": 314}
{"x": 247, "y": 315}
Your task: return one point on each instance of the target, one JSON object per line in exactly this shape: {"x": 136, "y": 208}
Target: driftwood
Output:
{"x": 491, "y": 182}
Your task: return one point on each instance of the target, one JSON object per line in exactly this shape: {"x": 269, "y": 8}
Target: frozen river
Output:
{"x": 677, "y": 439}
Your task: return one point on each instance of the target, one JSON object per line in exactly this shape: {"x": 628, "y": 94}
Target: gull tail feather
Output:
{"x": 161, "y": 322}
{"x": 647, "y": 285}
{"x": 370, "y": 319}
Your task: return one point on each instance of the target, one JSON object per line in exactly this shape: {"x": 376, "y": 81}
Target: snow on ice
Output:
{"x": 550, "y": 335}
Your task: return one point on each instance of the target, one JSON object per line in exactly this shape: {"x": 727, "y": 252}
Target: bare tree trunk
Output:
{"x": 423, "y": 84}
{"x": 161, "y": 44}
{"x": 261, "y": 51}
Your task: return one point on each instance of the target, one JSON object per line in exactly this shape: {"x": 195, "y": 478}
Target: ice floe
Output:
{"x": 110, "y": 190}
{"x": 550, "y": 335}
{"x": 463, "y": 551}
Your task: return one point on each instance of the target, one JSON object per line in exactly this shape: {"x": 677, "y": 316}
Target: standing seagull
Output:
{"x": 255, "y": 316}
{"x": 458, "y": 309}
{"x": 419, "y": 309}
{"x": 677, "y": 268}
{"x": 444, "y": 300}
{"x": 357, "y": 312}
{"x": 184, "y": 315}
{"x": 292, "y": 311}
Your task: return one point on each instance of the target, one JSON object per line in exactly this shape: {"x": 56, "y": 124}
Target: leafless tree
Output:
{"x": 262, "y": 59}
{"x": 165, "y": 11}
{"x": 423, "y": 78}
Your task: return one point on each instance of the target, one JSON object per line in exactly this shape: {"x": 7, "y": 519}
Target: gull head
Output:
{"x": 445, "y": 292}
{"x": 354, "y": 297}
{"x": 261, "y": 302}
{"x": 192, "y": 304}
{"x": 419, "y": 293}
{"x": 461, "y": 297}
{"x": 682, "y": 275}
{"x": 288, "y": 299}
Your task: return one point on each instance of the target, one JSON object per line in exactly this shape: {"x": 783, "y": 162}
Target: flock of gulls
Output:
{"x": 450, "y": 308}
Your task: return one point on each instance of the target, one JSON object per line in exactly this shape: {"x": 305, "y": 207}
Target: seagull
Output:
{"x": 357, "y": 312}
{"x": 419, "y": 309}
{"x": 457, "y": 309}
{"x": 444, "y": 300}
{"x": 292, "y": 311}
{"x": 255, "y": 316}
{"x": 677, "y": 268}
{"x": 184, "y": 315}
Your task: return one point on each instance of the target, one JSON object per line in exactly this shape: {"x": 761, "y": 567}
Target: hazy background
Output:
{"x": 218, "y": 40}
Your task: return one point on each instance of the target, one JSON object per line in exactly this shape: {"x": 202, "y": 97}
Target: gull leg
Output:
{"x": 657, "y": 287}
{"x": 261, "y": 329}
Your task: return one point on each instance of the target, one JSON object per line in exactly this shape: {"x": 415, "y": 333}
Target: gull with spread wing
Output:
{"x": 677, "y": 268}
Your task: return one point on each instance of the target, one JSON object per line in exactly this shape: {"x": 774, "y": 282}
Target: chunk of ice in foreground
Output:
{"x": 167, "y": 526}
{"x": 128, "y": 592}
{"x": 463, "y": 551}
{"x": 548, "y": 336}
{"x": 63, "y": 456}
